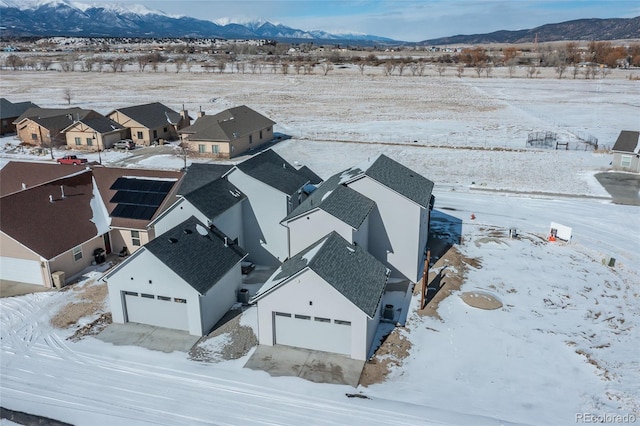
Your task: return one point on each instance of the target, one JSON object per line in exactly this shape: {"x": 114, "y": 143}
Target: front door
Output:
{"x": 107, "y": 243}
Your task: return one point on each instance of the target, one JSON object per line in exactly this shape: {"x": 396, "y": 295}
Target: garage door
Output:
{"x": 20, "y": 270}
{"x": 155, "y": 310}
{"x": 317, "y": 333}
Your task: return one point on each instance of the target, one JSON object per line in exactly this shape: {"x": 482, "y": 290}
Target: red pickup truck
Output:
{"x": 71, "y": 159}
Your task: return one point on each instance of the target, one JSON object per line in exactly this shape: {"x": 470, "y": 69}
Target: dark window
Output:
{"x": 319, "y": 319}
{"x": 303, "y": 317}
{"x": 131, "y": 293}
{"x": 148, "y": 296}
{"x": 282, "y": 314}
{"x": 165, "y": 298}
{"x": 180, "y": 300}
{"x": 340, "y": 322}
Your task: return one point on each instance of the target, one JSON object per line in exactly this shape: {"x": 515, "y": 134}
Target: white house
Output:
{"x": 186, "y": 279}
{"x": 331, "y": 207}
{"x": 626, "y": 152}
{"x": 216, "y": 203}
{"x": 274, "y": 188}
{"x": 327, "y": 298}
{"x": 399, "y": 223}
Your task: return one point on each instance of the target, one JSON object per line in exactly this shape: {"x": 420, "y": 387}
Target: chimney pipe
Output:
{"x": 50, "y": 198}
{"x": 24, "y": 186}
{"x": 62, "y": 190}
{"x": 225, "y": 242}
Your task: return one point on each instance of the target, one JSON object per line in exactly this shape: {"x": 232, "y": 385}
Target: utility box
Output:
{"x": 58, "y": 279}
{"x": 244, "y": 296}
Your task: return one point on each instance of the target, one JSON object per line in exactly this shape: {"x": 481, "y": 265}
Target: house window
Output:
{"x": 319, "y": 319}
{"x": 147, "y": 296}
{"x": 180, "y": 300}
{"x": 139, "y": 135}
{"x": 165, "y": 130}
{"x": 625, "y": 161}
{"x": 89, "y": 142}
{"x": 260, "y": 134}
{"x": 303, "y": 317}
{"x": 340, "y": 322}
{"x": 165, "y": 298}
{"x": 131, "y": 293}
{"x": 214, "y": 149}
{"x": 77, "y": 253}
{"x": 155, "y": 134}
{"x": 250, "y": 139}
{"x": 202, "y": 148}
{"x": 282, "y": 314}
{"x": 34, "y": 136}
{"x": 78, "y": 141}
{"x": 135, "y": 238}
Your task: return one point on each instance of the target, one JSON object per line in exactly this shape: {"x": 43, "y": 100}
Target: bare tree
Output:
{"x": 45, "y": 64}
{"x": 487, "y": 70}
{"x": 222, "y": 65}
{"x": 88, "y": 64}
{"x": 297, "y": 66}
{"x": 361, "y": 66}
{"x": 240, "y": 67}
{"x": 460, "y": 70}
{"x": 389, "y": 66}
{"x": 284, "y": 67}
{"x": 575, "y": 71}
{"x": 14, "y": 62}
{"x": 179, "y": 61}
{"x": 183, "y": 152}
{"x": 480, "y": 67}
{"x": 531, "y": 70}
{"x": 422, "y": 66}
{"x": 308, "y": 67}
{"x": 560, "y": 68}
{"x": 441, "y": 69}
{"x": 512, "y": 64}
{"x": 254, "y": 64}
{"x": 401, "y": 66}
{"x": 67, "y": 95}
{"x": 326, "y": 67}
{"x": 605, "y": 71}
{"x": 143, "y": 61}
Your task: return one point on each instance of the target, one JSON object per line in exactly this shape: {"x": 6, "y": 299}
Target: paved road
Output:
{"x": 623, "y": 187}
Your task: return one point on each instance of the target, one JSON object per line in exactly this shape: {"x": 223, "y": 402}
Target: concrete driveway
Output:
{"x": 148, "y": 336}
{"x": 623, "y": 187}
{"x": 315, "y": 366}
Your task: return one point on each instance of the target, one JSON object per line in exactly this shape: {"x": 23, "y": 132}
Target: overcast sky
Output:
{"x": 407, "y": 20}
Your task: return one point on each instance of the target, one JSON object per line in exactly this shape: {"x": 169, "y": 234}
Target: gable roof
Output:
{"x": 16, "y": 173}
{"x": 105, "y": 178}
{"x": 350, "y": 269}
{"x": 627, "y": 142}
{"x": 9, "y": 109}
{"x": 310, "y": 174}
{"x": 197, "y": 254}
{"x": 338, "y": 200}
{"x": 215, "y": 197}
{"x": 98, "y": 123}
{"x": 275, "y": 171}
{"x": 36, "y": 114}
{"x": 50, "y": 228}
{"x": 199, "y": 174}
{"x": 227, "y": 125}
{"x": 151, "y": 115}
{"x": 397, "y": 177}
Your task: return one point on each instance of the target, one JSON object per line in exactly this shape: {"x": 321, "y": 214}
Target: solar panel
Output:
{"x": 138, "y": 198}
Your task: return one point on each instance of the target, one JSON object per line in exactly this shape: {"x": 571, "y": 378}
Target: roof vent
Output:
{"x": 173, "y": 240}
{"x": 51, "y": 198}
{"x": 187, "y": 231}
{"x": 24, "y": 185}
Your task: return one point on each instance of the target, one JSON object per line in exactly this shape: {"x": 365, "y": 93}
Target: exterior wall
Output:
{"x": 265, "y": 239}
{"x": 372, "y": 327}
{"x": 7, "y": 126}
{"x": 220, "y": 298}
{"x": 153, "y": 277}
{"x": 20, "y": 258}
{"x": 65, "y": 261}
{"x": 361, "y": 235}
{"x": 101, "y": 141}
{"x": 230, "y": 222}
{"x": 28, "y": 128}
{"x": 394, "y": 229}
{"x": 122, "y": 237}
{"x": 223, "y": 148}
{"x": 634, "y": 165}
{"x": 310, "y": 227}
{"x": 178, "y": 213}
{"x": 244, "y": 144}
{"x": 167, "y": 132}
{"x": 294, "y": 297}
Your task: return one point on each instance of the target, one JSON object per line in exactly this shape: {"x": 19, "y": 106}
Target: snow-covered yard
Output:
{"x": 565, "y": 342}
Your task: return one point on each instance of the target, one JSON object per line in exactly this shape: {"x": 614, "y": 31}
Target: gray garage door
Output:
{"x": 20, "y": 270}
{"x": 156, "y": 310}
{"x": 316, "y": 333}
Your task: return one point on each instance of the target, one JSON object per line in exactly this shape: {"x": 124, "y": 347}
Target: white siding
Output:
{"x": 179, "y": 212}
{"x": 230, "y": 222}
{"x": 394, "y": 228}
{"x": 361, "y": 235}
{"x": 154, "y": 311}
{"x": 295, "y": 296}
{"x": 20, "y": 270}
{"x": 309, "y": 333}
{"x": 144, "y": 273}
{"x": 310, "y": 227}
{"x": 220, "y": 298}
{"x": 265, "y": 239}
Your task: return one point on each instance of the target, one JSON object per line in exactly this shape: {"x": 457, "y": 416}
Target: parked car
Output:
{"x": 71, "y": 159}
{"x": 124, "y": 144}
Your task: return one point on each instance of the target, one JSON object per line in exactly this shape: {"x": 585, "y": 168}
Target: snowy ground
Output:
{"x": 565, "y": 343}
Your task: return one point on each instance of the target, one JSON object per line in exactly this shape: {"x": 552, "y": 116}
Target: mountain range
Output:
{"x": 46, "y": 18}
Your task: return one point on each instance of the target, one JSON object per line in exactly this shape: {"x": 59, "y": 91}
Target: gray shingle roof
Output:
{"x": 215, "y": 197}
{"x": 9, "y": 109}
{"x": 273, "y": 170}
{"x": 401, "y": 179}
{"x": 201, "y": 174}
{"x": 340, "y": 201}
{"x": 152, "y": 115}
{"x": 627, "y": 141}
{"x": 102, "y": 124}
{"x": 310, "y": 174}
{"x": 228, "y": 125}
{"x": 68, "y": 114}
{"x": 199, "y": 260}
{"x": 352, "y": 271}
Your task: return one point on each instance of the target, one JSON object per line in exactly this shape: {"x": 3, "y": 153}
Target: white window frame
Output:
{"x": 215, "y": 149}
{"x": 625, "y": 160}
{"x": 77, "y": 253}
{"x": 78, "y": 140}
{"x": 135, "y": 238}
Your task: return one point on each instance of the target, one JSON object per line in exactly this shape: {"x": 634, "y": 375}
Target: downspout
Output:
{"x": 48, "y": 279}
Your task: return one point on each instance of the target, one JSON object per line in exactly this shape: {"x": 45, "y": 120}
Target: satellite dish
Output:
{"x": 202, "y": 230}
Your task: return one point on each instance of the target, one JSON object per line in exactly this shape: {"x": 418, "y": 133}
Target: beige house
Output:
{"x": 94, "y": 133}
{"x": 151, "y": 123}
{"x": 229, "y": 133}
{"x": 9, "y": 112}
{"x": 45, "y": 126}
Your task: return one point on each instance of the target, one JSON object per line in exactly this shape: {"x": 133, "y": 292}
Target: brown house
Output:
{"x": 9, "y": 112}
{"x": 151, "y": 123}
{"x": 45, "y": 126}
{"x": 229, "y": 133}
{"x": 94, "y": 133}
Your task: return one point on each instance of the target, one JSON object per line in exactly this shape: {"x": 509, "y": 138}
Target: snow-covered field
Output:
{"x": 564, "y": 345}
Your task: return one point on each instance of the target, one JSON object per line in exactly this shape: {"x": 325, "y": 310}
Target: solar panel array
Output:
{"x": 138, "y": 198}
